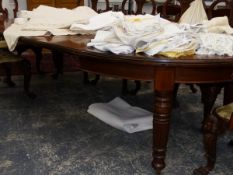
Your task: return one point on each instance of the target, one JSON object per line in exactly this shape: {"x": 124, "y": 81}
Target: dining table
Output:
{"x": 210, "y": 72}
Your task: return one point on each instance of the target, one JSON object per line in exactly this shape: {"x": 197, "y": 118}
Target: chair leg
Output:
{"x": 126, "y": 91}
{"x": 175, "y": 92}
{"x": 210, "y": 130}
{"x": 193, "y": 88}
{"x": 85, "y": 78}
{"x": 95, "y": 81}
{"x": 8, "y": 80}
{"x": 87, "y": 81}
{"x": 58, "y": 62}
{"x": 231, "y": 143}
{"x": 124, "y": 87}
{"x": 26, "y": 67}
{"x": 209, "y": 94}
{"x": 38, "y": 54}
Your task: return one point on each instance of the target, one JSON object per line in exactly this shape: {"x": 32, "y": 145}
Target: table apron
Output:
{"x": 118, "y": 69}
{"x": 204, "y": 75}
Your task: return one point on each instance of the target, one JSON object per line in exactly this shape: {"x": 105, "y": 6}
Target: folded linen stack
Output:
{"x": 46, "y": 19}
{"x": 119, "y": 114}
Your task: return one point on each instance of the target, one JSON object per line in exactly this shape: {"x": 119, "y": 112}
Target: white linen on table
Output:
{"x": 13, "y": 33}
{"x": 47, "y": 19}
{"x": 215, "y": 44}
{"x": 102, "y": 21}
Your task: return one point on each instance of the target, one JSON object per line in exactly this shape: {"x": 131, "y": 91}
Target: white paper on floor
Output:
{"x": 121, "y": 115}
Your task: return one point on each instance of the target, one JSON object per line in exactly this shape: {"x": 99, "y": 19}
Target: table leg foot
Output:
{"x": 158, "y": 166}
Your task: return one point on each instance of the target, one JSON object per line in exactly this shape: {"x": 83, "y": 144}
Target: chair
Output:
{"x": 217, "y": 123}
{"x": 7, "y": 58}
{"x": 172, "y": 10}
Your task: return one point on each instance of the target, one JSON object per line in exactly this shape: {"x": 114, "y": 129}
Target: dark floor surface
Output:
{"x": 54, "y": 135}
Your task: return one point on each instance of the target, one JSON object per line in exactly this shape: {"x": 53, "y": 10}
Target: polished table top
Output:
{"x": 220, "y": 66}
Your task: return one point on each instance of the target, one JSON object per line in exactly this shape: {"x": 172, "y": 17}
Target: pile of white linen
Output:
{"x": 153, "y": 35}
{"x": 47, "y": 19}
{"x": 121, "y": 115}
{"x": 122, "y": 34}
{"x": 127, "y": 33}
{"x": 143, "y": 33}
{"x": 194, "y": 14}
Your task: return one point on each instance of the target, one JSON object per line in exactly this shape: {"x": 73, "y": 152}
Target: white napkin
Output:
{"x": 121, "y": 115}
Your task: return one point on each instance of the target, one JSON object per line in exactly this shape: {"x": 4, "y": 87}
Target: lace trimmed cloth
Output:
{"x": 215, "y": 44}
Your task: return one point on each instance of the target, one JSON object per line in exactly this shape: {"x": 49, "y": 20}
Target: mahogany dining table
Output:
{"x": 211, "y": 73}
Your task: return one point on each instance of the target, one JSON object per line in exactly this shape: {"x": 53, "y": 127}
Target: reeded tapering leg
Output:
{"x": 210, "y": 130}
{"x": 209, "y": 94}
{"x": 163, "y": 106}
{"x": 163, "y": 90}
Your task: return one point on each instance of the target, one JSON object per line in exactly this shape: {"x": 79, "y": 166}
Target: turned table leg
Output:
{"x": 163, "y": 106}
{"x": 163, "y": 90}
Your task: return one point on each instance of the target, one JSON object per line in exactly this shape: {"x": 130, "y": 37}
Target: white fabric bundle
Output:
{"x": 171, "y": 39}
{"x": 45, "y": 17}
{"x": 218, "y": 25}
{"x": 194, "y": 14}
{"x": 12, "y": 34}
{"x": 121, "y": 115}
{"x": 103, "y": 21}
{"x": 215, "y": 44}
{"x": 128, "y": 33}
{"x": 107, "y": 41}
{"x": 139, "y": 29}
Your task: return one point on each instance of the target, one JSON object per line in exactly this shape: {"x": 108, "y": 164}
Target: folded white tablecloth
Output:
{"x": 121, "y": 115}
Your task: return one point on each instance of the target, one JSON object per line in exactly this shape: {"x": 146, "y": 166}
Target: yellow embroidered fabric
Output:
{"x": 174, "y": 54}
{"x": 225, "y": 111}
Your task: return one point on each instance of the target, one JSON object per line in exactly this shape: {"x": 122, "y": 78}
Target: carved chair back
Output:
{"x": 170, "y": 9}
{"x": 4, "y": 12}
{"x": 221, "y": 8}
{"x": 126, "y": 6}
{"x": 173, "y": 9}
